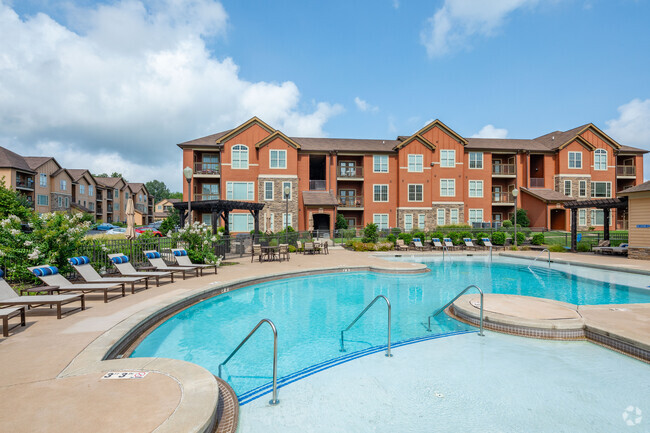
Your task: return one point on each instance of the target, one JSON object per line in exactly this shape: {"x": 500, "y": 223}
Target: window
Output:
{"x": 575, "y": 159}
{"x": 415, "y": 192}
{"x": 380, "y": 163}
{"x": 117, "y": 194}
{"x": 240, "y": 191}
{"x": 381, "y": 219}
{"x": 476, "y": 160}
{"x": 380, "y": 193}
{"x": 42, "y": 200}
{"x": 284, "y": 185}
{"x": 239, "y": 156}
{"x": 284, "y": 220}
{"x": 90, "y": 190}
{"x": 453, "y": 216}
{"x": 139, "y": 197}
{"x": 597, "y": 217}
{"x": 59, "y": 201}
{"x": 206, "y": 218}
{"x": 415, "y": 163}
{"x": 63, "y": 184}
{"x": 82, "y": 189}
{"x": 447, "y": 158}
{"x": 600, "y": 159}
{"x": 209, "y": 191}
{"x": 408, "y": 222}
{"x": 241, "y": 222}
{"x": 272, "y": 223}
{"x": 582, "y": 217}
{"x": 268, "y": 190}
{"x": 567, "y": 188}
{"x": 421, "y": 221}
{"x": 476, "y": 188}
{"x": 475, "y": 216}
{"x": 126, "y": 195}
{"x": 447, "y": 187}
{"x": 440, "y": 217}
{"x": 91, "y": 206}
{"x": 601, "y": 189}
{"x": 42, "y": 179}
{"x": 67, "y": 202}
{"x": 582, "y": 188}
{"x": 278, "y": 158}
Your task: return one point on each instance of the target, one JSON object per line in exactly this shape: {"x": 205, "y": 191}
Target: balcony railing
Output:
{"x": 99, "y": 196}
{"x": 99, "y": 211}
{"x": 349, "y": 172}
{"x": 22, "y": 182}
{"x": 213, "y": 168}
{"x": 503, "y": 197}
{"x": 317, "y": 185}
{"x": 537, "y": 182}
{"x": 140, "y": 207}
{"x": 109, "y": 209}
{"x": 504, "y": 169}
{"x": 350, "y": 201}
{"x": 626, "y": 170}
{"x": 204, "y": 197}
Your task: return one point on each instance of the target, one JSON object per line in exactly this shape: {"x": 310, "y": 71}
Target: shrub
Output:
{"x": 171, "y": 222}
{"x": 384, "y": 246}
{"x": 507, "y": 224}
{"x": 538, "y": 239}
{"x": 347, "y": 233}
{"x": 455, "y": 238}
{"x": 557, "y": 249}
{"x": 13, "y": 203}
{"x": 396, "y": 231}
{"x": 438, "y": 235}
{"x": 456, "y": 226}
{"x": 406, "y": 237}
{"x": 498, "y": 238}
{"x": 363, "y": 246}
{"x": 370, "y": 234}
{"x": 583, "y": 247}
{"x": 391, "y": 238}
{"x": 419, "y": 234}
{"x": 522, "y": 217}
{"x": 341, "y": 222}
{"x": 480, "y": 236}
{"x": 521, "y": 238}
{"x": 198, "y": 240}
{"x": 463, "y": 235}
{"x": 292, "y": 249}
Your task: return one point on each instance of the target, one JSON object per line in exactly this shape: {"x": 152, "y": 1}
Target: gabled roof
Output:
{"x": 445, "y": 128}
{"x": 416, "y": 137}
{"x": 135, "y": 186}
{"x": 547, "y": 195}
{"x": 318, "y": 198}
{"x": 642, "y": 187}
{"x": 344, "y": 144}
{"x": 9, "y": 159}
{"x": 61, "y": 170}
{"x": 109, "y": 182}
{"x": 208, "y": 140}
{"x": 78, "y": 173}
{"x": 559, "y": 140}
{"x": 36, "y": 161}
{"x": 281, "y": 136}
{"x": 244, "y": 126}
{"x": 512, "y": 144}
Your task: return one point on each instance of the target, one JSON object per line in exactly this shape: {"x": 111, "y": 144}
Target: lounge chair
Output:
{"x": 83, "y": 267}
{"x": 309, "y": 248}
{"x": 448, "y": 243}
{"x": 469, "y": 244}
{"x": 487, "y": 243}
{"x": 50, "y": 276}
{"x": 299, "y": 248}
{"x": 121, "y": 262}
{"x": 256, "y": 251}
{"x": 621, "y": 249}
{"x": 182, "y": 259}
{"x": 399, "y": 245}
{"x": 8, "y": 313}
{"x": 603, "y": 246}
{"x": 436, "y": 243}
{"x": 157, "y": 262}
{"x": 324, "y": 247}
{"x": 9, "y": 297}
{"x": 283, "y": 251}
{"x": 417, "y": 244}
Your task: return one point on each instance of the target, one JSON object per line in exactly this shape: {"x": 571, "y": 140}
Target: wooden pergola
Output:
{"x": 604, "y": 203}
{"x": 220, "y": 209}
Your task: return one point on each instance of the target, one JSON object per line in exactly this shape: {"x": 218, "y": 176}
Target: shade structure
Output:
{"x": 130, "y": 219}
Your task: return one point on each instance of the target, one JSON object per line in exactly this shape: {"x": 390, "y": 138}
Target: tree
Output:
{"x": 170, "y": 223}
{"x": 341, "y": 222}
{"x": 522, "y": 218}
{"x": 114, "y": 174}
{"x": 158, "y": 189}
{"x": 13, "y": 203}
{"x": 178, "y": 195}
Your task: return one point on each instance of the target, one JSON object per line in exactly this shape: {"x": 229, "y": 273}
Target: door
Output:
{"x": 322, "y": 224}
{"x": 347, "y": 197}
{"x": 348, "y": 169}
{"x": 496, "y": 166}
{"x": 496, "y": 194}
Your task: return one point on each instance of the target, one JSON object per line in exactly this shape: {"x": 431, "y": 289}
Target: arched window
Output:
{"x": 239, "y": 156}
{"x": 600, "y": 159}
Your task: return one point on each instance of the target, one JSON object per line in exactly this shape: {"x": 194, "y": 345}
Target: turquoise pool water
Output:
{"x": 309, "y": 313}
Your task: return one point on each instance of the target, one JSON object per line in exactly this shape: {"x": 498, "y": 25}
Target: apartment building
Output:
{"x": 17, "y": 174}
{"x": 53, "y": 186}
{"x": 162, "y": 208}
{"x": 143, "y": 202}
{"x": 84, "y": 187}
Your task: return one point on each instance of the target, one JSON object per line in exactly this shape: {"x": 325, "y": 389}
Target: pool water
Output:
{"x": 309, "y": 313}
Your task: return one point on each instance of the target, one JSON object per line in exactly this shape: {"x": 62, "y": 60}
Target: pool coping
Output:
{"x": 583, "y": 264}
{"x": 197, "y": 409}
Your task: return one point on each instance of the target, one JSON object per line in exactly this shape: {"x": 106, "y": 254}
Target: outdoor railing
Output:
{"x": 502, "y": 197}
{"x": 203, "y": 197}
{"x": 109, "y": 208}
{"x": 349, "y": 172}
{"x": 504, "y": 169}
{"x": 626, "y": 170}
{"x": 25, "y": 182}
{"x": 350, "y": 201}
{"x": 317, "y": 185}
{"x": 537, "y": 182}
{"x": 207, "y": 168}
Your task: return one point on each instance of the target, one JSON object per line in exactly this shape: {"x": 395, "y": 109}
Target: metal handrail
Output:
{"x": 274, "y": 400}
{"x": 540, "y": 253}
{"x": 361, "y": 314}
{"x": 454, "y": 300}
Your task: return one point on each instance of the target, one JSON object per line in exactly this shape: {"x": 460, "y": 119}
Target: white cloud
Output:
{"x": 395, "y": 4}
{"x": 452, "y": 25}
{"x": 632, "y": 128}
{"x": 364, "y": 106}
{"x": 128, "y": 81}
{"x": 489, "y": 131}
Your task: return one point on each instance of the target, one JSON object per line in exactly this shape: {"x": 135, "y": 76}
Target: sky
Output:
{"x": 115, "y": 85}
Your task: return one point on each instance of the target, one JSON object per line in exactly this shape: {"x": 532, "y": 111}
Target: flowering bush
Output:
{"x": 198, "y": 240}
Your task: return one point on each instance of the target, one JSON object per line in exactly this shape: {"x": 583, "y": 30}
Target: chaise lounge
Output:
{"x": 121, "y": 262}
{"x": 83, "y": 267}
{"x": 50, "y": 276}
{"x": 182, "y": 259}
{"x": 157, "y": 262}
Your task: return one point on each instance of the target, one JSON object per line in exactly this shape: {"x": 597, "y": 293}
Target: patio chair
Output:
{"x": 436, "y": 243}
{"x": 83, "y": 267}
{"x": 399, "y": 245}
{"x": 487, "y": 243}
{"x": 157, "y": 262}
{"x": 324, "y": 247}
{"x": 448, "y": 243}
{"x": 9, "y": 313}
{"x": 469, "y": 244}
{"x": 299, "y": 247}
{"x": 283, "y": 251}
{"x": 9, "y": 298}
{"x": 121, "y": 262}
{"x": 417, "y": 244}
{"x": 50, "y": 276}
{"x": 256, "y": 250}
{"x": 601, "y": 247}
{"x": 182, "y": 259}
{"x": 309, "y": 248}
{"x": 621, "y": 249}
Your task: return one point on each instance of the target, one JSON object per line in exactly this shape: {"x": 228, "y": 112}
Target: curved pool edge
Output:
{"x": 197, "y": 410}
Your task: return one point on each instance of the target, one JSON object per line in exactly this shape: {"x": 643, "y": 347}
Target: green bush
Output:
{"x": 557, "y": 249}
{"x": 455, "y": 226}
{"x": 507, "y": 224}
{"x": 292, "y": 249}
{"x": 406, "y": 237}
{"x": 455, "y": 238}
{"x": 384, "y": 246}
{"x": 498, "y": 238}
{"x": 391, "y": 238}
{"x": 538, "y": 239}
{"x": 438, "y": 235}
{"x": 396, "y": 231}
{"x": 521, "y": 238}
{"x": 347, "y": 233}
{"x": 463, "y": 235}
{"x": 370, "y": 234}
{"x": 480, "y": 236}
{"x": 170, "y": 223}
{"x": 583, "y": 247}
{"x": 341, "y": 222}
{"x": 419, "y": 234}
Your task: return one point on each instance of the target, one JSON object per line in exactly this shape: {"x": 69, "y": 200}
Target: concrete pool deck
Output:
{"x": 41, "y": 363}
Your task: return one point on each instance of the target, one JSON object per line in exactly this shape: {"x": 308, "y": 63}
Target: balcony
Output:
{"x": 204, "y": 197}
{"x": 317, "y": 185}
{"x": 504, "y": 170}
{"x": 99, "y": 211}
{"x": 502, "y": 199}
{"x": 626, "y": 171}
{"x": 99, "y": 196}
{"x": 537, "y": 182}
{"x": 349, "y": 173}
{"x": 25, "y": 183}
{"x": 109, "y": 209}
{"x": 140, "y": 208}
{"x": 207, "y": 169}
{"x": 350, "y": 202}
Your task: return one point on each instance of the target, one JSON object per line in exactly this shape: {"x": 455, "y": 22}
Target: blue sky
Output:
{"x": 119, "y": 83}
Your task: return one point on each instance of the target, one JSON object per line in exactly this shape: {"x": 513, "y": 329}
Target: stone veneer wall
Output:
{"x": 447, "y": 207}
{"x": 278, "y": 205}
{"x": 638, "y": 253}
{"x": 429, "y": 222}
{"x": 54, "y": 201}
{"x": 575, "y": 194}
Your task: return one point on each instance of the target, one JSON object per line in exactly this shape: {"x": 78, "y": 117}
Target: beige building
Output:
{"x": 53, "y": 184}
{"x": 113, "y": 195}
{"x": 144, "y": 203}
{"x": 638, "y": 203}
{"x": 162, "y": 208}
{"x": 84, "y": 190}
{"x": 17, "y": 174}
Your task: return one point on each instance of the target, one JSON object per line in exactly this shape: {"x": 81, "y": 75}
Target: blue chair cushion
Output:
{"x": 486, "y": 240}
{"x": 153, "y": 255}
{"x": 45, "y": 270}
{"x": 179, "y": 253}
{"x": 81, "y": 260}
{"x": 466, "y": 239}
{"x": 120, "y": 259}
{"x": 416, "y": 239}
{"x": 436, "y": 239}
{"x": 2, "y": 273}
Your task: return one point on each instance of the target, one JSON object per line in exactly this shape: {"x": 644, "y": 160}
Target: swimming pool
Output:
{"x": 309, "y": 313}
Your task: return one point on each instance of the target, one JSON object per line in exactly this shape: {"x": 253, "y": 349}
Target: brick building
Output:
{"x": 433, "y": 177}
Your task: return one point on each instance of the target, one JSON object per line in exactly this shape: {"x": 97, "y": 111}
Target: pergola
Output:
{"x": 604, "y": 203}
{"x": 220, "y": 209}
